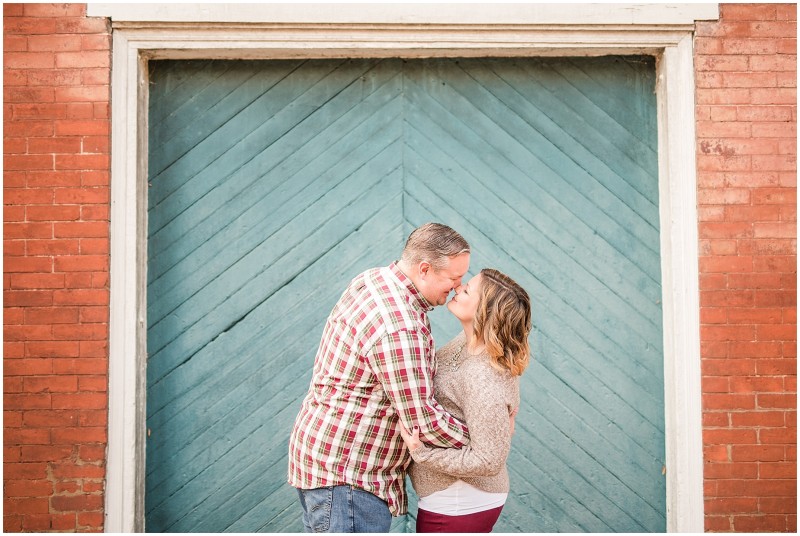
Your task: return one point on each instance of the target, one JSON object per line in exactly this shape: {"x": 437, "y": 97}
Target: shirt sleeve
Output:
{"x": 401, "y": 364}
{"x": 487, "y": 416}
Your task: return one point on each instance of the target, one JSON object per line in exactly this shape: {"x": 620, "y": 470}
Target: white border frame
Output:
{"x": 219, "y": 31}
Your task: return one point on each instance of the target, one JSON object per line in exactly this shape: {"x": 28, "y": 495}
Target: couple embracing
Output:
{"x": 378, "y": 397}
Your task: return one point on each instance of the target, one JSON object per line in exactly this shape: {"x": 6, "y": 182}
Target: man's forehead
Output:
{"x": 455, "y": 269}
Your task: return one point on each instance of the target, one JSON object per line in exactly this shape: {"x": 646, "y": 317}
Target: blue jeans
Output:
{"x": 343, "y": 509}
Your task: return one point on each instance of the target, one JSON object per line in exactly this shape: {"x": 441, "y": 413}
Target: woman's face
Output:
{"x": 464, "y": 304}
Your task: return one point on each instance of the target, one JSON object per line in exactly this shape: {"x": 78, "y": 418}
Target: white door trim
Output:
{"x": 160, "y": 34}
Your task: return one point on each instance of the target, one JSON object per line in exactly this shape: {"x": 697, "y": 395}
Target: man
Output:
{"x": 374, "y": 366}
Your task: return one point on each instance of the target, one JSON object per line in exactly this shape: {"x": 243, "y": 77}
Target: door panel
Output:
{"x": 273, "y": 183}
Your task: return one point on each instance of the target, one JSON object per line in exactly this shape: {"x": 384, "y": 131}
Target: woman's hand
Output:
{"x": 411, "y": 439}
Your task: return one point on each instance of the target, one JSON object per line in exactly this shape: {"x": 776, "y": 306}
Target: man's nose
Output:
{"x": 457, "y": 287}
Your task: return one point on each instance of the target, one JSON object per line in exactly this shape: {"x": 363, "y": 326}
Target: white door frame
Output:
{"x": 277, "y": 31}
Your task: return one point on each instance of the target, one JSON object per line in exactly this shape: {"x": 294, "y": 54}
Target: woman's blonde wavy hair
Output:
{"x": 503, "y": 321}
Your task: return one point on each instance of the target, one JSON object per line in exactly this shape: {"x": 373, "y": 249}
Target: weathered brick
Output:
{"x": 760, "y": 523}
{"x": 82, "y": 60}
{"x": 60, "y": 43}
{"x": 54, "y": 145}
{"x": 51, "y": 384}
{"x": 28, "y": 488}
{"x": 54, "y": 10}
{"x": 28, "y": 60}
{"x": 749, "y": 12}
{"x": 76, "y": 503}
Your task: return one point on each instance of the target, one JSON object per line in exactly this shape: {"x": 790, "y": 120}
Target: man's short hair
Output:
{"x": 434, "y": 243}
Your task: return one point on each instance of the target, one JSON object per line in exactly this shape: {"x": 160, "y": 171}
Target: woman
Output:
{"x": 477, "y": 381}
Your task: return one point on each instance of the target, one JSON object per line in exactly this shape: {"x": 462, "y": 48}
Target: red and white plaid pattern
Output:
{"x": 374, "y": 364}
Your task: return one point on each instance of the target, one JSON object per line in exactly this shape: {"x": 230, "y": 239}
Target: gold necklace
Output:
{"x": 455, "y": 359}
{"x": 453, "y": 362}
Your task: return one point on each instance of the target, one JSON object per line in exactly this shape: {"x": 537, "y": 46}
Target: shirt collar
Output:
{"x": 406, "y": 281}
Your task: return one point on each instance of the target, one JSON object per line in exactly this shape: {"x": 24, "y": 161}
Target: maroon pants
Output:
{"x": 477, "y": 522}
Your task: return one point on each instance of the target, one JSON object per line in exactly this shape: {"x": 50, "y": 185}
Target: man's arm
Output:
{"x": 400, "y": 364}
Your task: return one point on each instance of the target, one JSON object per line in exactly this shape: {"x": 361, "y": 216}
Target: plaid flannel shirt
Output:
{"x": 374, "y": 365}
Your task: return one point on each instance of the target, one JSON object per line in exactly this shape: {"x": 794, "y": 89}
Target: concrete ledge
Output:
{"x": 423, "y": 13}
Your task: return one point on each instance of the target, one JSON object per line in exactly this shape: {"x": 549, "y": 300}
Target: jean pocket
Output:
{"x": 317, "y": 505}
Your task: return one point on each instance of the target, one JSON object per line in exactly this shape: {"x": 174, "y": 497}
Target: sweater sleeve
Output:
{"x": 487, "y": 416}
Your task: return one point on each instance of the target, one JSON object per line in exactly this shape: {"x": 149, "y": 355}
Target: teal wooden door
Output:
{"x": 272, "y": 183}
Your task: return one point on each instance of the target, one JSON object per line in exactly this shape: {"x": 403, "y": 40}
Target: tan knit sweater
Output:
{"x": 481, "y": 396}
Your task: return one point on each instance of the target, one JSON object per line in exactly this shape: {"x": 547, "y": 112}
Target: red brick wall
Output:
{"x": 55, "y": 287}
{"x": 746, "y": 68}
{"x": 56, "y": 178}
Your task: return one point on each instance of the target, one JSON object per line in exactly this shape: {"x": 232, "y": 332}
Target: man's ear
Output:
{"x": 424, "y": 268}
